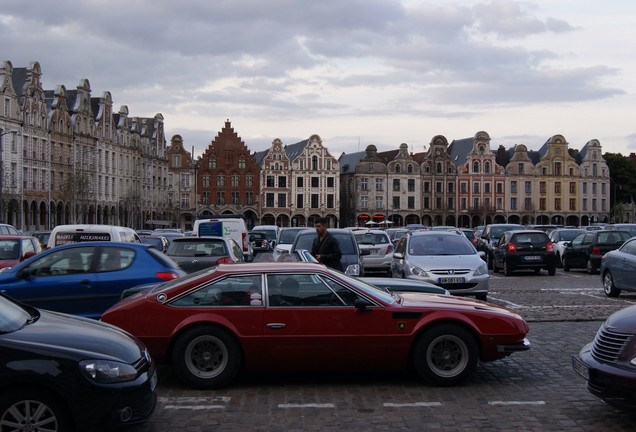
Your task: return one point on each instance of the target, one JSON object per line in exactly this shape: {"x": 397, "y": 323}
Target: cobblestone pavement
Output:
{"x": 531, "y": 391}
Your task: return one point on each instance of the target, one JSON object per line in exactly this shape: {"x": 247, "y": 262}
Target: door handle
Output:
{"x": 276, "y": 326}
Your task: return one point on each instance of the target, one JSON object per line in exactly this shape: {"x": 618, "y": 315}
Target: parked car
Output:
{"x": 42, "y": 236}
{"x": 16, "y": 248}
{"x": 168, "y": 233}
{"x": 271, "y": 231}
{"x": 524, "y": 250}
{"x": 63, "y": 373}
{"x": 586, "y": 249}
{"x": 6, "y": 229}
{"x": 80, "y": 233}
{"x": 209, "y": 325}
{"x": 351, "y": 254}
{"x": 490, "y": 238}
{"x": 380, "y": 248}
{"x": 198, "y": 253}
{"x": 623, "y": 227}
{"x": 395, "y": 234}
{"x": 444, "y": 259}
{"x": 86, "y": 278}
{"x": 226, "y": 226}
{"x": 158, "y": 241}
{"x": 471, "y": 235}
{"x": 608, "y": 364}
{"x": 559, "y": 238}
{"x": 286, "y": 237}
{"x": 405, "y": 285}
{"x": 618, "y": 269}
{"x": 259, "y": 242}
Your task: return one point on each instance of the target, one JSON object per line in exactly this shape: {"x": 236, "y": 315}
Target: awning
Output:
{"x": 363, "y": 216}
{"x": 378, "y": 216}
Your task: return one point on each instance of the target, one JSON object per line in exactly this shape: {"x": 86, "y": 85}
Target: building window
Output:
{"x": 364, "y": 201}
{"x": 364, "y": 184}
{"x": 282, "y": 181}
{"x": 542, "y": 202}
{"x": 409, "y": 169}
{"x": 427, "y": 187}
{"x": 176, "y": 161}
{"x": 528, "y": 187}
{"x": 572, "y": 203}
{"x": 557, "y": 169}
{"x": 411, "y": 185}
{"x": 499, "y": 203}
{"x": 379, "y": 185}
{"x": 475, "y": 203}
{"x": 463, "y": 204}
{"x": 212, "y": 163}
{"x": 542, "y": 187}
{"x": 513, "y": 187}
{"x": 427, "y": 203}
{"x": 249, "y": 181}
{"x": 185, "y": 181}
{"x": 557, "y": 187}
{"x": 557, "y": 204}
{"x": 299, "y": 182}
{"x": 249, "y": 198}
{"x": 205, "y": 198}
{"x": 235, "y": 181}
{"x": 396, "y": 185}
{"x": 220, "y": 181}
{"x": 411, "y": 202}
{"x": 438, "y": 187}
{"x": 379, "y": 201}
{"x": 572, "y": 187}
{"x": 396, "y": 203}
{"x": 206, "y": 181}
{"x": 269, "y": 199}
{"x": 220, "y": 198}
{"x": 487, "y": 187}
{"x": 269, "y": 181}
{"x": 521, "y": 167}
{"x": 300, "y": 201}
{"x": 527, "y": 204}
{"x": 450, "y": 187}
{"x": 330, "y": 182}
{"x": 463, "y": 187}
{"x": 241, "y": 164}
{"x": 398, "y": 168}
{"x": 451, "y": 203}
{"x": 475, "y": 167}
{"x": 282, "y": 200}
{"x": 315, "y": 182}
{"x": 314, "y": 201}
{"x": 438, "y": 168}
{"x": 476, "y": 187}
{"x": 487, "y": 167}
{"x": 513, "y": 203}
{"x": 235, "y": 198}
{"x": 330, "y": 201}
{"x": 314, "y": 163}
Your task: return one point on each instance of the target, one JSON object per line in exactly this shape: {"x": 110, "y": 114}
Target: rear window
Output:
{"x": 65, "y": 237}
{"x": 371, "y": 238}
{"x": 531, "y": 238}
{"x": 210, "y": 229}
{"x": 197, "y": 248}
{"x": 613, "y": 237}
{"x": 345, "y": 241}
{"x": 163, "y": 259}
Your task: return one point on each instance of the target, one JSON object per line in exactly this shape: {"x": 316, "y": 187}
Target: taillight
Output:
{"x": 389, "y": 249}
{"x": 596, "y": 250}
{"x": 549, "y": 247}
{"x": 245, "y": 244}
{"x": 225, "y": 260}
{"x": 512, "y": 248}
{"x": 166, "y": 275}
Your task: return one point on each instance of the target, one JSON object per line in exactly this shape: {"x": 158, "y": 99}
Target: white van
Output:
{"x": 65, "y": 234}
{"x": 234, "y": 228}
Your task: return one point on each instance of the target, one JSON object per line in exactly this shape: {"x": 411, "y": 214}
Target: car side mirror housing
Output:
{"x": 398, "y": 255}
{"x": 361, "y": 304}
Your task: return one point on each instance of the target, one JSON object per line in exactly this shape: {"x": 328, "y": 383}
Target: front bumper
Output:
{"x": 611, "y": 383}
{"x": 524, "y": 345}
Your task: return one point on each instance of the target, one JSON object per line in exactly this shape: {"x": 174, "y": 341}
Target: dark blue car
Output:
{"x": 86, "y": 278}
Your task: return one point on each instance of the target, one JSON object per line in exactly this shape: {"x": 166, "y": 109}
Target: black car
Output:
{"x": 70, "y": 373}
{"x": 608, "y": 364}
{"x": 586, "y": 249}
{"x": 524, "y": 250}
{"x": 490, "y": 238}
{"x": 260, "y": 242}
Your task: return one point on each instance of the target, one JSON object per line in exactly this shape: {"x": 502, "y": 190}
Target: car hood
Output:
{"x": 82, "y": 338}
{"x": 447, "y": 262}
{"x": 623, "y": 321}
{"x": 438, "y": 301}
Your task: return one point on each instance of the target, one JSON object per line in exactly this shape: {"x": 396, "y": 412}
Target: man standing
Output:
{"x": 325, "y": 247}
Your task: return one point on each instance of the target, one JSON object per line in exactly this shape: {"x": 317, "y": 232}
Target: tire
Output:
{"x": 559, "y": 263}
{"x": 206, "y": 357}
{"x": 590, "y": 267}
{"x": 566, "y": 265}
{"x": 489, "y": 261}
{"x": 609, "y": 288}
{"x": 495, "y": 269}
{"x": 552, "y": 270}
{"x": 445, "y": 355}
{"x": 19, "y": 406}
{"x": 507, "y": 269}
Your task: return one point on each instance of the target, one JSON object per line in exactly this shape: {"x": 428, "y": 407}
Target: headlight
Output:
{"x": 633, "y": 361}
{"x": 416, "y": 271}
{"x": 106, "y": 371}
{"x": 482, "y": 269}
{"x": 353, "y": 270}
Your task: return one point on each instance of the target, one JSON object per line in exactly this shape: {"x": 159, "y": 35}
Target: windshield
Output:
{"x": 569, "y": 235}
{"x": 440, "y": 245}
{"x": 9, "y": 250}
{"x": 12, "y": 316}
{"x": 287, "y": 236}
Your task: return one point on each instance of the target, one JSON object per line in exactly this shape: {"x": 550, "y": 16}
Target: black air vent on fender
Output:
{"x": 407, "y": 315}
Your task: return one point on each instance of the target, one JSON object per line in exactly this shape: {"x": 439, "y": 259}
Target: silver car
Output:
{"x": 443, "y": 258}
{"x": 380, "y": 248}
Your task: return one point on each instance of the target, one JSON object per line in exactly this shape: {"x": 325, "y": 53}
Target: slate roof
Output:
{"x": 295, "y": 150}
{"x": 348, "y": 162}
{"x": 459, "y": 149}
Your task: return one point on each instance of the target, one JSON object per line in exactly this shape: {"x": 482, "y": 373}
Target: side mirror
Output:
{"x": 361, "y": 304}
{"x": 24, "y": 274}
{"x": 252, "y": 238}
{"x": 398, "y": 255}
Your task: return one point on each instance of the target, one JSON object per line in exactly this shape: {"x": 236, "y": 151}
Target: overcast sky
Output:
{"x": 355, "y": 72}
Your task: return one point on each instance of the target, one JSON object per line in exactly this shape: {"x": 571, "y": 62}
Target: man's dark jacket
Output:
{"x": 329, "y": 251}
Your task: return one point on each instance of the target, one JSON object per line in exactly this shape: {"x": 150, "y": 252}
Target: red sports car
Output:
{"x": 303, "y": 316}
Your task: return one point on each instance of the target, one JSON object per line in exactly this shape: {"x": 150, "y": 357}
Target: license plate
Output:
{"x": 451, "y": 280}
{"x": 580, "y": 368}
{"x": 532, "y": 258}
